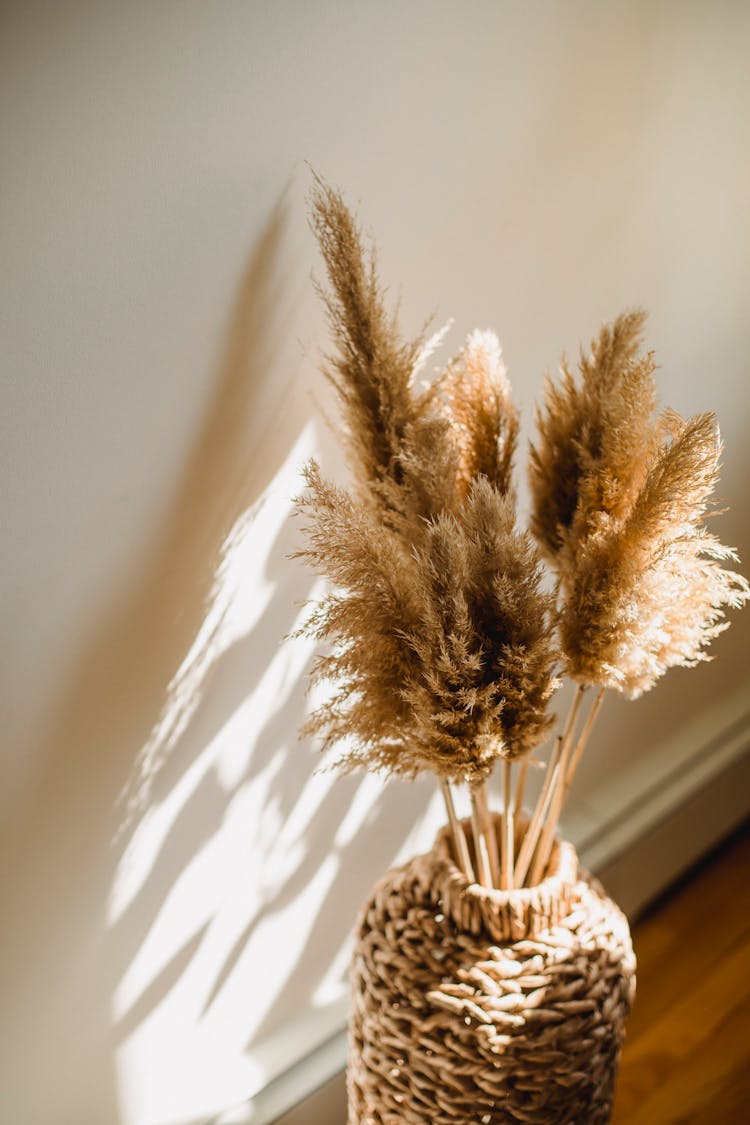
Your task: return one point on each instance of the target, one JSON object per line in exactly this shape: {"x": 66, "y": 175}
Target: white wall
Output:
{"x": 534, "y": 168}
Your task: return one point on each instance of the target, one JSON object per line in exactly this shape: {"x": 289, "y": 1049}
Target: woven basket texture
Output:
{"x": 483, "y": 1006}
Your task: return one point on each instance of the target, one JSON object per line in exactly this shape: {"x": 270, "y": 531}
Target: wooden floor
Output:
{"x": 687, "y": 1054}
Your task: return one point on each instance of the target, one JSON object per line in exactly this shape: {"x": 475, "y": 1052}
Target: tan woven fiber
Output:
{"x": 480, "y": 1006}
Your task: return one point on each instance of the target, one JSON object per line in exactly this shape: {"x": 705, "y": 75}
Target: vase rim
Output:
{"x": 505, "y": 914}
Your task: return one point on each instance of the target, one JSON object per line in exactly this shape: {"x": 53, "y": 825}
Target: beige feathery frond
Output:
{"x": 442, "y": 656}
{"x": 488, "y": 644}
{"x": 474, "y": 394}
{"x": 371, "y": 366}
{"x": 413, "y": 452}
{"x": 361, "y": 622}
{"x": 648, "y": 592}
{"x": 401, "y": 454}
{"x": 595, "y": 434}
{"x": 439, "y": 646}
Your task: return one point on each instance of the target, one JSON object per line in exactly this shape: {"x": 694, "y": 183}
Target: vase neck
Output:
{"x": 510, "y": 915}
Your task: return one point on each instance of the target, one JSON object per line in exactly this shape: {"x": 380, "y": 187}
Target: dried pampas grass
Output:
{"x": 442, "y": 654}
{"x": 620, "y": 502}
{"x": 594, "y": 435}
{"x": 644, "y": 601}
{"x": 439, "y": 643}
{"x": 399, "y": 453}
{"x": 476, "y": 399}
{"x": 413, "y": 451}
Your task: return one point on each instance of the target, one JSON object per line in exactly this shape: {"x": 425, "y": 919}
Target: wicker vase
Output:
{"x": 482, "y": 1006}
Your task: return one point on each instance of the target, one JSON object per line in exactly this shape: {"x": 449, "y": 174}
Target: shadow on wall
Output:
{"x": 57, "y": 857}
{"x": 148, "y": 972}
{"x": 234, "y": 897}
{"x": 237, "y": 889}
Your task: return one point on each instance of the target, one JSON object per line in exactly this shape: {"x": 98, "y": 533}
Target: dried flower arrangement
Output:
{"x": 442, "y": 645}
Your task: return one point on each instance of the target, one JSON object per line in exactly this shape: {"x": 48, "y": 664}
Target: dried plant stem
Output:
{"x": 521, "y": 786}
{"x": 506, "y": 874}
{"x": 488, "y": 832}
{"x": 540, "y": 811}
{"x": 459, "y": 838}
{"x": 584, "y": 737}
{"x": 551, "y": 782}
{"x": 480, "y": 843}
{"x": 526, "y": 850}
{"x": 568, "y": 765}
{"x": 544, "y": 846}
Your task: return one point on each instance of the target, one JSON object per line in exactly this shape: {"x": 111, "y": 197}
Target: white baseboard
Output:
{"x": 650, "y": 864}
{"x": 655, "y": 821}
{"x": 638, "y": 833}
{"x": 309, "y": 1093}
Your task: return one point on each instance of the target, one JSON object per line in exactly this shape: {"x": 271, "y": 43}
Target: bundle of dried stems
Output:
{"x": 441, "y": 647}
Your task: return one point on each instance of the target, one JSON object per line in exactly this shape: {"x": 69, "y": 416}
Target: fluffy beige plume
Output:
{"x": 647, "y": 592}
{"x": 400, "y": 454}
{"x": 595, "y": 435}
{"x": 442, "y": 656}
{"x": 361, "y": 623}
{"x": 487, "y": 651}
{"x": 474, "y": 394}
{"x": 413, "y": 452}
{"x": 371, "y": 367}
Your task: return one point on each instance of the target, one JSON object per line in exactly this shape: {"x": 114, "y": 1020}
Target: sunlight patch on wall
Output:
{"x": 241, "y": 592}
{"x": 240, "y": 853}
